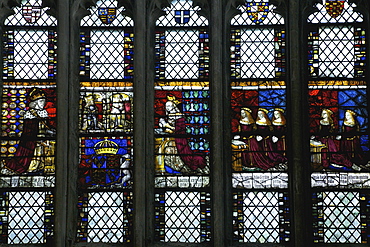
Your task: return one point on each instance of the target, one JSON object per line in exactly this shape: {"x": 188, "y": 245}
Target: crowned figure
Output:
{"x": 174, "y": 150}
{"x": 34, "y": 153}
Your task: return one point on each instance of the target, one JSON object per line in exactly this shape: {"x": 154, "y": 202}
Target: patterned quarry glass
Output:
{"x": 261, "y": 217}
{"x": 182, "y": 125}
{"x": 338, "y": 120}
{"x": 258, "y": 126}
{"x": 28, "y": 126}
{"x": 338, "y": 217}
{"x": 105, "y": 201}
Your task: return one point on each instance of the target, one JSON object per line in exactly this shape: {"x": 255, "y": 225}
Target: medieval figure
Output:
{"x": 34, "y": 153}
{"x": 174, "y": 151}
{"x": 350, "y": 138}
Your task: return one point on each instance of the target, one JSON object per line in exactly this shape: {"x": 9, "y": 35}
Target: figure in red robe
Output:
{"x": 31, "y": 147}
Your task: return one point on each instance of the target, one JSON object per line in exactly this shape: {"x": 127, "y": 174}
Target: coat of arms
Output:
{"x": 182, "y": 16}
{"x": 107, "y": 15}
{"x": 31, "y": 13}
{"x": 334, "y": 8}
{"x": 257, "y": 12}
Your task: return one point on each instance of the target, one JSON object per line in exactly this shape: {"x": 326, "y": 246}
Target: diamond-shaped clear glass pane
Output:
{"x": 31, "y": 54}
{"x": 261, "y": 217}
{"x": 107, "y": 54}
{"x": 336, "y": 52}
{"x": 182, "y": 54}
{"x": 106, "y": 214}
{"x": 339, "y": 218}
{"x": 182, "y": 217}
{"x": 257, "y": 53}
{"x": 29, "y": 217}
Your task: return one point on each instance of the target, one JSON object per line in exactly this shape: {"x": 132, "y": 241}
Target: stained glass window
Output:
{"x": 258, "y": 122}
{"x": 106, "y": 125}
{"x": 182, "y": 125}
{"x": 28, "y": 135}
{"x": 337, "y": 94}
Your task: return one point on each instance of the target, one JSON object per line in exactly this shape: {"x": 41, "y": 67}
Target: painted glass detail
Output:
{"x": 105, "y": 181}
{"x": 182, "y": 125}
{"x": 28, "y": 126}
{"x": 258, "y": 125}
{"x": 338, "y": 123}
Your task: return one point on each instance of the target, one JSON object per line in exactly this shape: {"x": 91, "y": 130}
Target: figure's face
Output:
{"x": 324, "y": 114}
{"x": 243, "y": 113}
{"x": 277, "y": 114}
{"x": 348, "y": 116}
{"x": 169, "y": 106}
{"x": 261, "y": 115}
{"x": 40, "y": 104}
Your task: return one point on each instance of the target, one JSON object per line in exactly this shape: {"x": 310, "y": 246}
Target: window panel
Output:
{"x": 105, "y": 201}
{"x": 338, "y": 120}
{"x": 182, "y": 125}
{"x": 28, "y": 126}
{"x": 258, "y": 124}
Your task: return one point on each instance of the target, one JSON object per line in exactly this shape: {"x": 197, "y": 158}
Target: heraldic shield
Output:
{"x": 31, "y": 13}
{"x": 107, "y": 15}
{"x": 334, "y": 8}
{"x": 104, "y": 163}
{"x": 257, "y": 12}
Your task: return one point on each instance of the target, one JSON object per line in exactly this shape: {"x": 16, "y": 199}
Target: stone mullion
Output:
{"x": 73, "y": 83}
{"x": 62, "y": 125}
{"x": 298, "y": 136}
{"x": 218, "y": 140}
{"x": 143, "y": 208}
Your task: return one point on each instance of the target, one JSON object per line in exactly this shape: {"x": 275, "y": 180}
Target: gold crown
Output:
{"x": 37, "y": 94}
{"x": 171, "y": 97}
{"x": 106, "y": 147}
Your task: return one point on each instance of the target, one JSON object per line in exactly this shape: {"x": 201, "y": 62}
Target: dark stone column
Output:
{"x": 218, "y": 140}
{"x": 142, "y": 160}
{"x": 78, "y": 10}
{"x": 299, "y": 159}
{"x": 61, "y": 165}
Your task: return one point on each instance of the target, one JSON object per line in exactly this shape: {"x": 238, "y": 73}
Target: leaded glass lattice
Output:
{"x": 106, "y": 125}
{"x": 258, "y": 106}
{"x": 106, "y": 43}
{"x": 261, "y": 217}
{"x": 182, "y": 124}
{"x": 105, "y": 217}
{"x": 337, "y": 217}
{"x": 28, "y": 125}
{"x": 337, "y": 93}
{"x": 258, "y": 124}
{"x": 338, "y": 120}
{"x": 186, "y": 216}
